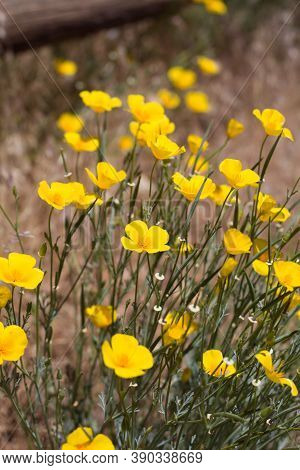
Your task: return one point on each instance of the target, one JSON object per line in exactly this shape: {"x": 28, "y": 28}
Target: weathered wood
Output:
{"x": 25, "y": 23}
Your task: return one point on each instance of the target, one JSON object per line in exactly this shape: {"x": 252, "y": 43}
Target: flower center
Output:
{"x": 123, "y": 360}
{"x": 57, "y": 198}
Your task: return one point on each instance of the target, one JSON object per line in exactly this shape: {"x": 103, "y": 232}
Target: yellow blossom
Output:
{"x": 273, "y": 122}
{"x": 107, "y": 175}
{"x": 183, "y": 246}
{"x": 101, "y": 315}
{"x": 195, "y": 143}
{"x": 68, "y": 122}
{"x": 81, "y": 144}
{"x": 80, "y": 198}
{"x": 148, "y": 131}
{"x": 279, "y": 214}
{"x": 236, "y": 242}
{"x": 260, "y": 265}
{"x": 189, "y": 188}
{"x": 125, "y": 143}
{"x": 126, "y": 357}
{"x": 267, "y": 210}
{"x": 220, "y": 194}
{"x": 144, "y": 239}
{"x": 13, "y": 342}
{"x": 145, "y": 111}
{"x": 265, "y": 202}
{"x": 214, "y": 364}
{"x": 197, "y": 101}
{"x": 288, "y": 274}
{"x": 228, "y": 267}
{"x": 234, "y": 128}
{"x": 83, "y": 438}
{"x": 18, "y": 270}
{"x": 238, "y": 178}
{"x": 294, "y": 301}
{"x": 265, "y": 359}
{"x": 164, "y": 148}
{"x": 5, "y": 296}
{"x": 99, "y": 101}
{"x": 182, "y": 78}
{"x": 208, "y": 66}
{"x": 200, "y": 167}
{"x": 67, "y": 68}
{"x": 217, "y": 7}
{"x": 169, "y": 99}
{"x": 177, "y": 327}
{"x": 57, "y": 195}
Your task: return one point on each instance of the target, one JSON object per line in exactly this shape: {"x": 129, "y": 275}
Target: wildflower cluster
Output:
{"x": 183, "y": 323}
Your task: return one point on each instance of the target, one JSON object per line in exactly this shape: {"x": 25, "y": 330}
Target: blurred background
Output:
{"x": 257, "y": 44}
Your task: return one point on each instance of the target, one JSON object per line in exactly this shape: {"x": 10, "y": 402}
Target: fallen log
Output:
{"x": 31, "y": 23}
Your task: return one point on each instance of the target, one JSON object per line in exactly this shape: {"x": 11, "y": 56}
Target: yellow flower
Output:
{"x": 178, "y": 327}
{"x": 266, "y": 207}
{"x": 260, "y": 267}
{"x": 218, "y": 7}
{"x": 265, "y": 359}
{"x": 169, "y": 99}
{"x": 273, "y": 122}
{"x": 288, "y": 274}
{"x": 13, "y": 342}
{"x": 182, "y": 246}
{"x": 99, "y": 101}
{"x": 195, "y": 142}
{"x": 141, "y": 238}
{"x": 126, "y": 356}
{"x": 81, "y": 144}
{"x": 145, "y": 112}
{"x": 18, "y": 270}
{"x": 148, "y": 131}
{"x": 68, "y": 122}
{"x": 107, "y": 175}
{"x": 5, "y": 296}
{"x": 294, "y": 301}
{"x": 234, "y": 128}
{"x": 214, "y": 364}
{"x": 237, "y": 177}
{"x": 80, "y": 198}
{"x": 278, "y": 214}
{"x": 265, "y": 202}
{"x": 57, "y": 195}
{"x": 83, "y": 438}
{"x": 201, "y": 166}
{"x": 125, "y": 143}
{"x": 228, "y": 267}
{"x": 220, "y": 194}
{"x": 197, "y": 101}
{"x": 189, "y": 188}
{"x": 164, "y": 148}
{"x": 208, "y": 66}
{"x": 101, "y": 315}
{"x": 236, "y": 242}
{"x": 67, "y": 68}
{"x": 182, "y": 78}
